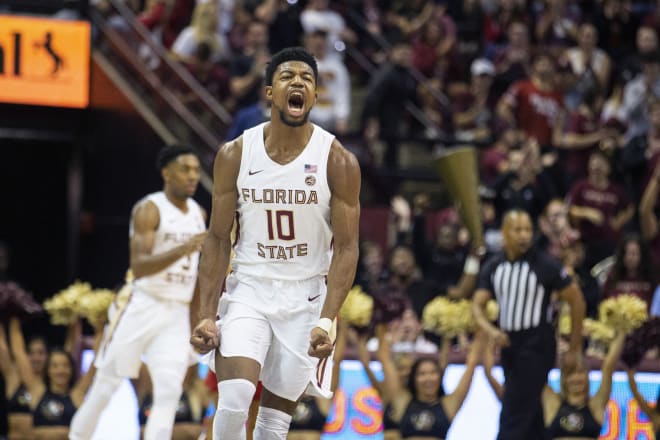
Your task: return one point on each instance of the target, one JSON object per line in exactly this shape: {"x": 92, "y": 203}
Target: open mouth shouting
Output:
{"x": 296, "y": 104}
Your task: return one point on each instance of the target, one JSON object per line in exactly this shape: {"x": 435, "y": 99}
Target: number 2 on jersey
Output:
{"x": 281, "y": 234}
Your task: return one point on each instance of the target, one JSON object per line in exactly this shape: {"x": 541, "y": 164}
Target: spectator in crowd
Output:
{"x": 557, "y": 26}
{"x": 579, "y": 136}
{"x": 590, "y": 64}
{"x": 497, "y": 22}
{"x": 616, "y": 25}
{"x": 474, "y": 110}
{"x": 648, "y": 219}
{"x": 249, "y": 117}
{"x": 646, "y": 41}
{"x": 318, "y": 15}
{"x": 495, "y": 160}
{"x": 526, "y": 185}
{"x": 166, "y": 18}
{"x": 214, "y": 77}
{"x": 333, "y": 88}
{"x": 371, "y": 272}
{"x": 247, "y": 69}
{"x": 513, "y": 61}
{"x": 408, "y": 17}
{"x": 555, "y": 231}
{"x": 641, "y": 154}
{"x": 388, "y": 92}
{"x": 431, "y": 49}
{"x": 632, "y": 273}
{"x": 534, "y": 105}
{"x": 283, "y": 19}
{"x": 572, "y": 257}
{"x": 202, "y": 29}
{"x": 637, "y": 92}
{"x": 599, "y": 208}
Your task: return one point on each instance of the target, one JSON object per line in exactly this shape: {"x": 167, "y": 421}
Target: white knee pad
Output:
{"x": 272, "y": 424}
{"x": 85, "y": 420}
{"x": 167, "y": 388}
{"x": 234, "y": 398}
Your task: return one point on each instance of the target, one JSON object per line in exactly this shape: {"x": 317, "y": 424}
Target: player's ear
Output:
{"x": 165, "y": 174}
{"x": 269, "y": 93}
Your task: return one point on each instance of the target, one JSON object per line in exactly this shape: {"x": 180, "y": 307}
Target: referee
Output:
{"x": 522, "y": 280}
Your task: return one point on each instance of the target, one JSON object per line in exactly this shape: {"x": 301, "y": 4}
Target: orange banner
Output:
{"x": 44, "y": 61}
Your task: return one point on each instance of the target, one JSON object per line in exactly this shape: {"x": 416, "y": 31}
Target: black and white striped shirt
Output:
{"x": 523, "y": 287}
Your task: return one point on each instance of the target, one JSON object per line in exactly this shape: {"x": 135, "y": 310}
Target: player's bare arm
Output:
{"x": 216, "y": 249}
{"x": 145, "y": 223}
{"x": 344, "y": 181}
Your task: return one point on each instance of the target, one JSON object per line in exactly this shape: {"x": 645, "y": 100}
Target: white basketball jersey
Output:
{"x": 283, "y": 210}
{"x": 177, "y": 281}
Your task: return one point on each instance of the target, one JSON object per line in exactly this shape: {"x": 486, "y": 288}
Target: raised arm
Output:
{"x": 81, "y": 387}
{"x": 391, "y": 385}
{"x": 344, "y": 182}
{"x": 599, "y": 400}
{"x": 364, "y": 357}
{"x": 33, "y": 383}
{"x": 489, "y": 363}
{"x": 647, "y": 219}
{"x": 143, "y": 262}
{"x": 572, "y": 295}
{"x": 453, "y": 402}
{"x": 7, "y": 367}
{"x": 216, "y": 250}
{"x": 641, "y": 401}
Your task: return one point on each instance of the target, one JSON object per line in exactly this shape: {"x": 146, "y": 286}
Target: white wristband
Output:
{"x": 471, "y": 265}
{"x": 325, "y": 324}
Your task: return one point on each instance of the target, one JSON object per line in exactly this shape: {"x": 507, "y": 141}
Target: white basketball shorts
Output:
{"x": 270, "y": 321}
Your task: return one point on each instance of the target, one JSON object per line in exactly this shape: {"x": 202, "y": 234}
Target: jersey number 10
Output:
{"x": 283, "y": 233}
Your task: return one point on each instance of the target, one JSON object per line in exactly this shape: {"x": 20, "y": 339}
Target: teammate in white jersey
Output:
{"x": 295, "y": 193}
{"x": 166, "y": 233}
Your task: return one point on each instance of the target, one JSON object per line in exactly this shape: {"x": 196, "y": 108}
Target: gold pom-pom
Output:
{"x": 94, "y": 306}
{"x": 492, "y": 310}
{"x": 446, "y": 317}
{"x": 598, "y": 331}
{"x": 623, "y": 313}
{"x": 357, "y": 308}
{"x": 63, "y": 306}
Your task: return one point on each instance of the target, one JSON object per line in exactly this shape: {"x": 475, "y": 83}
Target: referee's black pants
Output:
{"x": 526, "y": 363}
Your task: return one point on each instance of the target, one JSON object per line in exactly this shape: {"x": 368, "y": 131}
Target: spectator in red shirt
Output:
{"x": 632, "y": 272}
{"x": 168, "y": 16}
{"x": 494, "y": 161}
{"x": 599, "y": 208}
{"x": 534, "y": 105}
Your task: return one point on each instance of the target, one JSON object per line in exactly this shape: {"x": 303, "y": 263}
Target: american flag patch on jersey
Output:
{"x": 310, "y": 168}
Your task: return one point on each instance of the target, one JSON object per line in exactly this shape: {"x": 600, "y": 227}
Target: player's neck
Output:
{"x": 176, "y": 201}
{"x": 283, "y": 136}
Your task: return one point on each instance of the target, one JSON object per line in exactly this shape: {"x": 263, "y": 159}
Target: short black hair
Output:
{"x": 170, "y": 153}
{"x": 290, "y": 54}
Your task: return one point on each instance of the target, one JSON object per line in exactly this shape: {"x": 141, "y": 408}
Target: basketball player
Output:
{"x": 295, "y": 192}
{"x": 166, "y": 234}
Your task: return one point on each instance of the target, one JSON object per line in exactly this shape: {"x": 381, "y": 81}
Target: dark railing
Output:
{"x": 171, "y": 92}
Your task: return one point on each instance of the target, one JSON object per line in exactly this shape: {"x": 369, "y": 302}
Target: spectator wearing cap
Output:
{"x": 636, "y": 94}
{"x": 474, "y": 110}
